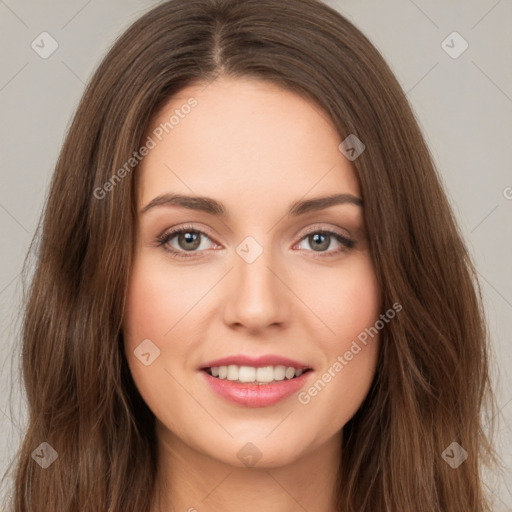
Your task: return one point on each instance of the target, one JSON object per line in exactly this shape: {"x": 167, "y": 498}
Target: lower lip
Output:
{"x": 255, "y": 395}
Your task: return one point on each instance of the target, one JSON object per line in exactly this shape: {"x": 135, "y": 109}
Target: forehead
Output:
{"x": 243, "y": 141}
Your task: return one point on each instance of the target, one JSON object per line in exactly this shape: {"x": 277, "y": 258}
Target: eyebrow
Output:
{"x": 214, "y": 207}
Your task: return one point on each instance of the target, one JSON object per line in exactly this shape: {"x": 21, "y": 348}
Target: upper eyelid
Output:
{"x": 317, "y": 227}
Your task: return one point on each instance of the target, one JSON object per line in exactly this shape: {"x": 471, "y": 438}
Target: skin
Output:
{"x": 256, "y": 148}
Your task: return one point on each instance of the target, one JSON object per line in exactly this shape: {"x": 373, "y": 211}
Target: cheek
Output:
{"x": 347, "y": 303}
{"x": 153, "y": 309}
{"x": 162, "y": 306}
{"x": 359, "y": 307}
{"x": 158, "y": 300}
{"x": 351, "y": 307}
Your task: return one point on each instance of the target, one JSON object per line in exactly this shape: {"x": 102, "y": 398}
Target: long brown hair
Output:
{"x": 432, "y": 381}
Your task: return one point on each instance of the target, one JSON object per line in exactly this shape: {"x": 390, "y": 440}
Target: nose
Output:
{"x": 256, "y": 297}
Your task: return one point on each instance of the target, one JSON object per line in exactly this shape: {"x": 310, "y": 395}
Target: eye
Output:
{"x": 320, "y": 240}
{"x": 188, "y": 240}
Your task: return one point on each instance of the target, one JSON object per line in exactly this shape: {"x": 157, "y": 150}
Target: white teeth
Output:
{"x": 265, "y": 374}
{"x": 279, "y": 372}
{"x": 247, "y": 374}
{"x": 262, "y": 375}
{"x": 232, "y": 372}
{"x": 289, "y": 373}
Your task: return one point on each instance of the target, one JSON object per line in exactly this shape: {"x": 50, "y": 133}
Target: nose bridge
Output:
{"x": 257, "y": 297}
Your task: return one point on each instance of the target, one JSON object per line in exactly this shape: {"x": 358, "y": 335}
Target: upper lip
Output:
{"x": 257, "y": 362}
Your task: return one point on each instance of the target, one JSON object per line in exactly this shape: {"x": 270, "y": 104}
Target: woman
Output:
{"x": 251, "y": 292}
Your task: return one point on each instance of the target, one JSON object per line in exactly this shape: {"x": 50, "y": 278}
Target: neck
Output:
{"x": 190, "y": 481}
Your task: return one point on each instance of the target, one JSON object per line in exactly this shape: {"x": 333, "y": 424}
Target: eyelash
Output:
{"x": 165, "y": 238}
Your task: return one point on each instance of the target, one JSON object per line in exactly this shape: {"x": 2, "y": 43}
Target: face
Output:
{"x": 255, "y": 288}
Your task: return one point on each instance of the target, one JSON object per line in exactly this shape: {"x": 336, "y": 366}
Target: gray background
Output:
{"x": 464, "y": 106}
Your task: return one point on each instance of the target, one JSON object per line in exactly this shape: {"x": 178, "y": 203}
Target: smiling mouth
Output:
{"x": 255, "y": 375}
